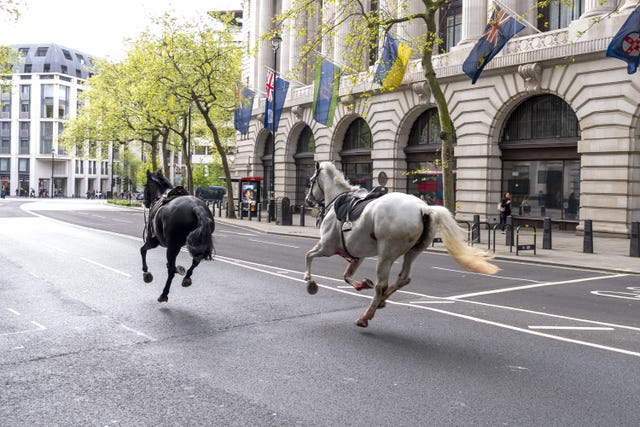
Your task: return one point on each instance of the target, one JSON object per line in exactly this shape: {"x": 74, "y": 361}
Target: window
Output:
{"x": 27, "y": 68}
{"x": 559, "y": 14}
{"x": 80, "y": 58}
{"x": 305, "y": 166}
{"x": 358, "y": 136}
{"x": 63, "y": 102}
{"x": 46, "y": 68}
{"x": 67, "y": 55}
{"x": 356, "y": 154}
{"x": 5, "y": 164}
{"x": 23, "y": 165}
{"x": 5, "y": 137}
{"x": 42, "y": 51}
{"x": 46, "y": 137}
{"x": 47, "y": 102}
{"x": 541, "y": 117}
{"x": 450, "y": 27}
{"x": 426, "y": 130}
{"x": 23, "y": 51}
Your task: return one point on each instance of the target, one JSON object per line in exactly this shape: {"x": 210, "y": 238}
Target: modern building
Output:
{"x": 551, "y": 119}
{"x": 42, "y": 95}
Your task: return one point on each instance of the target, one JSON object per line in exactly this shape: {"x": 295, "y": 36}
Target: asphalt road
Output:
{"x": 84, "y": 342}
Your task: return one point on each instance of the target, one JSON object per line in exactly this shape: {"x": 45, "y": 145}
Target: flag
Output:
{"x": 625, "y": 44}
{"x": 393, "y": 63}
{"x": 242, "y": 114}
{"x": 325, "y": 90}
{"x": 278, "y": 87}
{"x": 499, "y": 30}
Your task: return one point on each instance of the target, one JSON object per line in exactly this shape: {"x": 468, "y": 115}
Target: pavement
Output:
{"x": 610, "y": 254}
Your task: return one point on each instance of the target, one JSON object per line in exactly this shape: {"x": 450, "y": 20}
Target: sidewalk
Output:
{"x": 609, "y": 253}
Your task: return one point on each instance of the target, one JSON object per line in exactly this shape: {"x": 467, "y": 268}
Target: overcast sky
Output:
{"x": 98, "y": 28}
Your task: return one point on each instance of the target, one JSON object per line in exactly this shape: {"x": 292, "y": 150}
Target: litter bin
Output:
{"x": 283, "y": 211}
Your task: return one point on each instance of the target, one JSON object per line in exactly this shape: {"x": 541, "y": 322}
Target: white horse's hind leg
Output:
{"x": 383, "y": 268}
{"x": 403, "y": 277}
{"x": 350, "y": 271}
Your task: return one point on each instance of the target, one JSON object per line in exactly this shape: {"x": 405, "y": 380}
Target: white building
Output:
{"x": 551, "y": 119}
{"x": 42, "y": 96}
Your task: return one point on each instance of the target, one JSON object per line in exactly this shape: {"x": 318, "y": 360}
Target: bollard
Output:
{"x": 634, "y": 249}
{"x": 509, "y": 232}
{"x": 543, "y": 211}
{"x": 475, "y": 233}
{"x": 219, "y": 209}
{"x": 302, "y": 215}
{"x": 588, "y": 237}
{"x": 259, "y": 207}
{"x": 546, "y": 233}
{"x": 270, "y": 208}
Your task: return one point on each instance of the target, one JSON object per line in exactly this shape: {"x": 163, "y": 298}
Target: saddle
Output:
{"x": 349, "y": 206}
{"x": 177, "y": 191}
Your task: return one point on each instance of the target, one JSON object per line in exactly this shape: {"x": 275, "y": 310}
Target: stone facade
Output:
{"x": 568, "y": 63}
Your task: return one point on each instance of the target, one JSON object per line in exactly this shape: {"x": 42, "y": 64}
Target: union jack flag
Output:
{"x": 271, "y": 85}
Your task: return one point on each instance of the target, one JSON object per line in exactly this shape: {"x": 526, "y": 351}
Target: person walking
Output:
{"x": 505, "y": 209}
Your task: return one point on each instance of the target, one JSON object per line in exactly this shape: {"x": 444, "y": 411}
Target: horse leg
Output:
{"x": 312, "y": 286}
{"x": 403, "y": 277}
{"x": 186, "y": 282}
{"x": 382, "y": 271}
{"x": 149, "y": 244}
{"x": 348, "y": 276}
{"x": 172, "y": 254}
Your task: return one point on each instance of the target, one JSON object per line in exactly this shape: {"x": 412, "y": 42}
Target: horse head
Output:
{"x": 315, "y": 194}
{"x": 155, "y": 187}
{"x": 327, "y": 183}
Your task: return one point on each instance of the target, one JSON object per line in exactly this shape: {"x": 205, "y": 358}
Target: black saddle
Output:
{"x": 349, "y": 206}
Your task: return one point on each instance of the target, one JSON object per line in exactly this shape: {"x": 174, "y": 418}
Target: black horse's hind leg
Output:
{"x": 172, "y": 254}
{"x": 149, "y": 244}
{"x": 186, "y": 282}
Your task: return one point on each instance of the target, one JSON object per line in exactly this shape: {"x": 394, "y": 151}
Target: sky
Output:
{"x": 97, "y": 28}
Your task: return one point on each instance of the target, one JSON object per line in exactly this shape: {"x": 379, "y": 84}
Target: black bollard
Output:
{"x": 634, "y": 249}
{"x": 543, "y": 211}
{"x": 588, "y": 237}
{"x": 259, "y": 208}
{"x": 509, "y": 232}
{"x": 546, "y": 233}
{"x": 475, "y": 233}
{"x": 302, "y": 215}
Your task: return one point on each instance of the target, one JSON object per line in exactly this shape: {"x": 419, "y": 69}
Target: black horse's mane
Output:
{"x": 159, "y": 179}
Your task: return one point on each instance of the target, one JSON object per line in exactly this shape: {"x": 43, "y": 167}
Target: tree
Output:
{"x": 11, "y": 10}
{"x": 203, "y": 67}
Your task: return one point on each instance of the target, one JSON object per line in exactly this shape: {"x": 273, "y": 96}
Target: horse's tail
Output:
{"x": 455, "y": 240}
{"x": 199, "y": 241}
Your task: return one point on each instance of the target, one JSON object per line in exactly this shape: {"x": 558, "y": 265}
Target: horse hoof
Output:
{"x": 312, "y": 288}
{"x": 186, "y": 282}
{"x": 363, "y": 323}
{"x": 147, "y": 277}
{"x": 382, "y": 304}
{"x": 367, "y": 284}
{"x": 180, "y": 270}
{"x": 163, "y": 298}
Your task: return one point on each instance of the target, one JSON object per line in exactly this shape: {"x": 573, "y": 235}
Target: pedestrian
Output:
{"x": 504, "y": 207}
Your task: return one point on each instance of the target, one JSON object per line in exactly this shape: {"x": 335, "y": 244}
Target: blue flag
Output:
{"x": 325, "y": 91}
{"x": 499, "y": 30}
{"x": 393, "y": 63}
{"x": 626, "y": 43}
{"x": 278, "y": 87}
{"x": 242, "y": 114}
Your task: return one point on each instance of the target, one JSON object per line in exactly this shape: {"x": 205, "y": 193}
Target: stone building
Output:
{"x": 40, "y": 97}
{"x": 551, "y": 119}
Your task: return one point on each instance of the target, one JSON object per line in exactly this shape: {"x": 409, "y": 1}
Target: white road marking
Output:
{"x": 13, "y": 311}
{"x": 274, "y": 244}
{"x": 432, "y": 302}
{"x": 33, "y": 322}
{"x": 538, "y": 285}
{"x": 121, "y": 220}
{"x": 633, "y": 295}
{"x": 105, "y": 267}
{"x": 256, "y": 267}
{"x": 520, "y": 279}
{"x": 142, "y": 334}
{"x": 572, "y": 328}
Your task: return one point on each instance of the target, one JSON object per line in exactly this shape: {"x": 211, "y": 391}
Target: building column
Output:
{"x": 598, "y": 7}
{"x": 264, "y": 14}
{"x": 628, "y": 5}
{"x": 474, "y": 20}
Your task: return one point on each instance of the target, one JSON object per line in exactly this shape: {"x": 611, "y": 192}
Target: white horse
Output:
{"x": 392, "y": 225}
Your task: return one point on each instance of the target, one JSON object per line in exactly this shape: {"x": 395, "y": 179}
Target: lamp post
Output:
{"x": 53, "y": 153}
{"x": 275, "y": 45}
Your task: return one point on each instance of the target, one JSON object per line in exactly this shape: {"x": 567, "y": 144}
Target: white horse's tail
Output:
{"x": 455, "y": 240}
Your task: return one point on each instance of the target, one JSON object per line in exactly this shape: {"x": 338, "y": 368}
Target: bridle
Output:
{"x": 314, "y": 181}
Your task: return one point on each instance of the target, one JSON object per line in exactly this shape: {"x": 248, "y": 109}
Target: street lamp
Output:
{"x": 53, "y": 153}
{"x": 275, "y": 45}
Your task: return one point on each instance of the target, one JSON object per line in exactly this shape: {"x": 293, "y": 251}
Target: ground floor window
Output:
{"x": 424, "y": 180}
{"x": 305, "y": 168}
{"x": 546, "y": 188}
{"x": 359, "y": 174}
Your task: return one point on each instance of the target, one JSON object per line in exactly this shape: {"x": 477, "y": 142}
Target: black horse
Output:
{"x": 175, "y": 219}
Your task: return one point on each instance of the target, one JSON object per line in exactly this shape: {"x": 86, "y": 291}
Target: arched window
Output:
{"x": 267, "y": 164}
{"x": 540, "y": 160}
{"x": 423, "y": 151}
{"x": 356, "y": 154}
{"x": 305, "y": 166}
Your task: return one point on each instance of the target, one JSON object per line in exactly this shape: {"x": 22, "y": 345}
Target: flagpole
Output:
{"x": 516, "y": 16}
{"x": 275, "y": 44}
